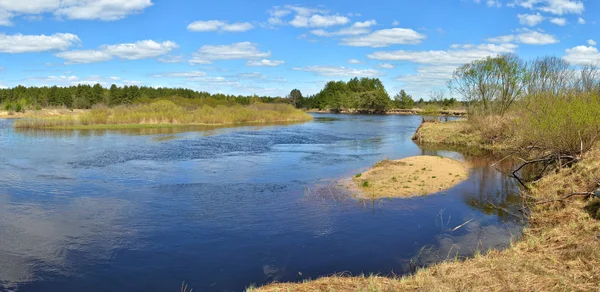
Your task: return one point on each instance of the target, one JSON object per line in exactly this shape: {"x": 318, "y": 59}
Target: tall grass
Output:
{"x": 169, "y": 112}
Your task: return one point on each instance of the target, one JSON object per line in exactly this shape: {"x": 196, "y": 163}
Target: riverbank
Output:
{"x": 409, "y": 177}
{"x": 462, "y": 133}
{"x": 557, "y": 252}
{"x": 161, "y": 114}
{"x": 414, "y": 111}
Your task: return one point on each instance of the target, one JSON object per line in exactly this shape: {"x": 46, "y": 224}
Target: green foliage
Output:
{"x": 492, "y": 84}
{"x": 86, "y": 96}
{"x": 403, "y": 100}
{"x": 566, "y": 123}
{"x": 365, "y": 94}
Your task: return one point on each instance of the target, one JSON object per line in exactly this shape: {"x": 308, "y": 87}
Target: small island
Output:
{"x": 410, "y": 177}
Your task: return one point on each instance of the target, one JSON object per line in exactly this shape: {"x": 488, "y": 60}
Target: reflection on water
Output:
{"x": 226, "y": 208}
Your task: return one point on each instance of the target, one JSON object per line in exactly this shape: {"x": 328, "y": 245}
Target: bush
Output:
{"x": 566, "y": 124}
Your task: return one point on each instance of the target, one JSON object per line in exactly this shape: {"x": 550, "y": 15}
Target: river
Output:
{"x": 226, "y": 208}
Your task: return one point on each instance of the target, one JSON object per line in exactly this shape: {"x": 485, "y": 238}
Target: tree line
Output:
{"x": 85, "y": 96}
{"x": 365, "y": 95}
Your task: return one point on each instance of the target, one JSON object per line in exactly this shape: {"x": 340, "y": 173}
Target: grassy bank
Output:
{"x": 490, "y": 133}
{"x": 559, "y": 250}
{"x": 166, "y": 113}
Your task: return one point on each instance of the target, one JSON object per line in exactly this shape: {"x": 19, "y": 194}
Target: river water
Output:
{"x": 223, "y": 209}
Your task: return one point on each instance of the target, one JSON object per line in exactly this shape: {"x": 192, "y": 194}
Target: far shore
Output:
{"x": 414, "y": 111}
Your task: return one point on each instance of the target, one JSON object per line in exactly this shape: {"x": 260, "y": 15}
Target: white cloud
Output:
{"x": 357, "y": 28}
{"x": 386, "y": 66}
{"x": 591, "y": 42}
{"x": 386, "y": 37}
{"x": 456, "y": 55}
{"x": 582, "y": 55}
{"x": 264, "y": 63}
{"x": 530, "y": 19}
{"x": 130, "y": 51}
{"x": 305, "y": 17}
{"x": 354, "y": 61}
{"x": 72, "y": 9}
{"x": 84, "y": 56}
{"x": 171, "y": 59}
{"x": 558, "y": 7}
{"x": 339, "y": 71}
{"x": 190, "y": 74}
{"x": 581, "y": 20}
{"x": 493, "y": 3}
{"x": 528, "y": 37}
{"x": 19, "y": 43}
{"x": 237, "y": 51}
{"x": 217, "y": 25}
{"x": 395, "y": 23}
{"x": 559, "y": 21}
{"x": 141, "y": 49}
{"x": 55, "y": 79}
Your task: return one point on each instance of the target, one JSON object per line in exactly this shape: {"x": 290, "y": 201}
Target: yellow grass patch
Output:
{"x": 412, "y": 176}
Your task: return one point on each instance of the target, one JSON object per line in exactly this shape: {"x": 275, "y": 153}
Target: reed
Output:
{"x": 168, "y": 113}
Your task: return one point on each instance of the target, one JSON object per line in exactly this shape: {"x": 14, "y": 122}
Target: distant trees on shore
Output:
{"x": 85, "y": 96}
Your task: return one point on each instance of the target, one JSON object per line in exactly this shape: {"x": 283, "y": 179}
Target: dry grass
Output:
{"x": 412, "y": 176}
{"x": 168, "y": 113}
{"x": 481, "y": 132}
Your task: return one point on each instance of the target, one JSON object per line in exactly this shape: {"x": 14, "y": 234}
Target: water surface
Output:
{"x": 223, "y": 209}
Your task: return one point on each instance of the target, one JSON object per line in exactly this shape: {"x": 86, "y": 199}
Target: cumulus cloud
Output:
{"x": 238, "y": 51}
{"x": 530, "y": 19}
{"x": 190, "y": 74}
{"x": 106, "y": 10}
{"x": 582, "y": 55}
{"x": 386, "y": 66}
{"x": 386, "y": 37}
{"x": 171, "y": 59}
{"x": 354, "y": 61}
{"x": 129, "y": 51}
{"x": 456, "y": 55}
{"x": 20, "y": 43}
{"x": 264, "y": 63}
{"x": 559, "y": 21}
{"x": 528, "y": 37}
{"x": 305, "y": 17}
{"x": 591, "y": 42}
{"x": 357, "y": 28}
{"x": 581, "y": 20}
{"x": 558, "y": 7}
{"x": 339, "y": 71}
{"x": 218, "y": 25}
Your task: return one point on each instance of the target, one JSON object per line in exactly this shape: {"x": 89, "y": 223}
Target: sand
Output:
{"x": 409, "y": 177}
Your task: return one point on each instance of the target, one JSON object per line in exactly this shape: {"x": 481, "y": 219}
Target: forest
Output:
{"x": 85, "y": 96}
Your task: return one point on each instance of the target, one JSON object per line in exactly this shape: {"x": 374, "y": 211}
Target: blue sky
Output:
{"x": 270, "y": 47}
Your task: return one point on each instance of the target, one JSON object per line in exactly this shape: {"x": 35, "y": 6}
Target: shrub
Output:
{"x": 564, "y": 124}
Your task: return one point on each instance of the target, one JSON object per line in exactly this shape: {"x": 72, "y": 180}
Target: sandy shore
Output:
{"x": 409, "y": 177}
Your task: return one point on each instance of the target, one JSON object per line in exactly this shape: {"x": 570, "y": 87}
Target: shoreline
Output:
{"x": 404, "y": 112}
{"x": 557, "y": 251}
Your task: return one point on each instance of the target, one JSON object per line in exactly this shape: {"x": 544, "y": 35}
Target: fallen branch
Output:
{"x": 459, "y": 226}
